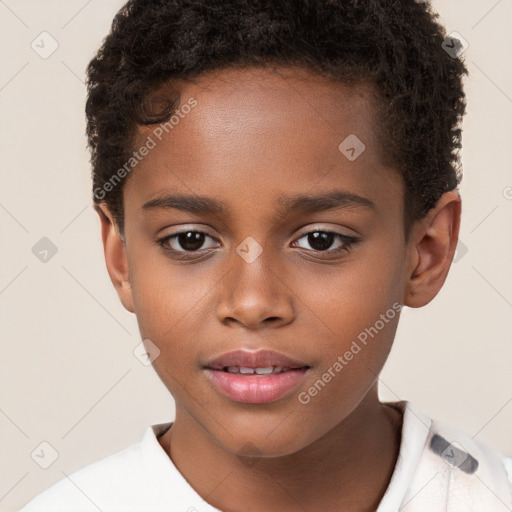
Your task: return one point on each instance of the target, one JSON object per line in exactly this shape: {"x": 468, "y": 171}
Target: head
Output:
{"x": 307, "y": 154}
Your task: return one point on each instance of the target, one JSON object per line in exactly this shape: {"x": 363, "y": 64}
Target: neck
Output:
{"x": 359, "y": 455}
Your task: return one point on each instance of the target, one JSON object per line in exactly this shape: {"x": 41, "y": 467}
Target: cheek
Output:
{"x": 355, "y": 312}
{"x": 173, "y": 308}
{"x": 352, "y": 357}
{"x": 344, "y": 300}
{"x": 167, "y": 295}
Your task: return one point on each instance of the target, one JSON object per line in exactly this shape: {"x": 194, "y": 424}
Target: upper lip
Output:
{"x": 259, "y": 359}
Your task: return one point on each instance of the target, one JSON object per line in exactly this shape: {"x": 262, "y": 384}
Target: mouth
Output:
{"x": 245, "y": 361}
{"x": 262, "y": 371}
{"x": 255, "y": 377}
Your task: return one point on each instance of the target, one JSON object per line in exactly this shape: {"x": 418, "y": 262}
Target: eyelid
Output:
{"x": 326, "y": 229}
{"x": 187, "y": 228}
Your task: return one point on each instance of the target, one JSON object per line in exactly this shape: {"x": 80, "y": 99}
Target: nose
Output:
{"x": 255, "y": 295}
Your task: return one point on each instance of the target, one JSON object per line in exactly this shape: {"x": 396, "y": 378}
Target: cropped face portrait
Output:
{"x": 263, "y": 262}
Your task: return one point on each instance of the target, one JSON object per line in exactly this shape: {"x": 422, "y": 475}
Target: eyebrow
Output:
{"x": 287, "y": 204}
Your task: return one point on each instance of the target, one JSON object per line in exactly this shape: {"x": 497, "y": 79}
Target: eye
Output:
{"x": 321, "y": 241}
{"x": 184, "y": 242}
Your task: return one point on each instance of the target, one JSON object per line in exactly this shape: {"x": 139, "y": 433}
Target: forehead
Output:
{"x": 270, "y": 129}
{"x": 272, "y": 98}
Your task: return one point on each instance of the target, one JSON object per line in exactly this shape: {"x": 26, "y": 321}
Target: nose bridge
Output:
{"x": 253, "y": 291}
{"x": 253, "y": 277}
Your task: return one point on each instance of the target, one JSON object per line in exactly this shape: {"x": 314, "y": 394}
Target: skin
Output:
{"x": 256, "y": 135}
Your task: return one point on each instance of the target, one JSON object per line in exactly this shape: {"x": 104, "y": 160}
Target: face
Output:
{"x": 274, "y": 238}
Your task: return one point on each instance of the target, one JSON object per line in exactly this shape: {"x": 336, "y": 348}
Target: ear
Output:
{"x": 432, "y": 247}
{"x": 115, "y": 256}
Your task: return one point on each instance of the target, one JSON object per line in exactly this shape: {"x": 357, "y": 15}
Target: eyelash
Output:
{"x": 348, "y": 243}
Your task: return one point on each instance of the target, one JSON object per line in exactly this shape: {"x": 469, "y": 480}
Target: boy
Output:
{"x": 275, "y": 181}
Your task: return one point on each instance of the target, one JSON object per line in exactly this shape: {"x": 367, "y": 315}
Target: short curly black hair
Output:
{"x": 396, "y": 46}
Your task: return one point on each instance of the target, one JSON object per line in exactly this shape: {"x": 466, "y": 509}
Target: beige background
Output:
{"x": 67, "y": 372}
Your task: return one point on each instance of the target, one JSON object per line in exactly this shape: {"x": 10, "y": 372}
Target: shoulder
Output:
{"x": 91, "y": 487}
{"x": 121, "y": 481}
{"x": 466, "y": 453}
{"x": 468, "y": 474}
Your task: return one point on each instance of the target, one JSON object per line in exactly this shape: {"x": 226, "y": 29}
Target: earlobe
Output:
{"x": 432, "y": 247}
{"x": 115, "y": 256}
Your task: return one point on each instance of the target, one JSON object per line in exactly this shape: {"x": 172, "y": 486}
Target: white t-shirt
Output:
{"x": 439, "y": 469}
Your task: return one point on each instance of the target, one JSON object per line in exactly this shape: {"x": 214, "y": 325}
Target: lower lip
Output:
{"x": 256, "y": 389}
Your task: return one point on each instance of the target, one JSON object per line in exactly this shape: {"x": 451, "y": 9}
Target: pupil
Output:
{"x": 191, "y": 240}
{"x": 320, "y": 240}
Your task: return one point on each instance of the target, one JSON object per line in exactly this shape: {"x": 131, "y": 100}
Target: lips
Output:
{"x": 259, "y": 359}
{"x": 255, "y": 377}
